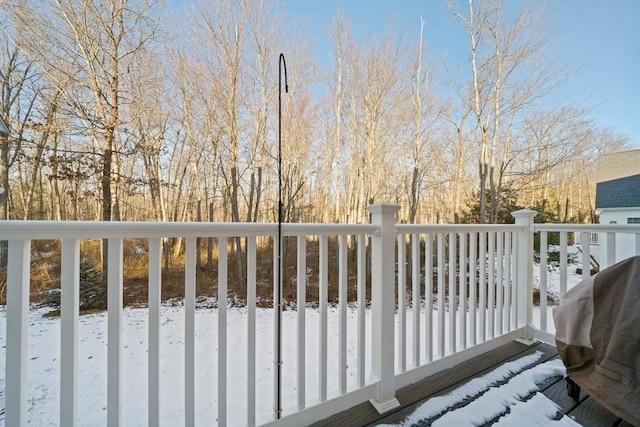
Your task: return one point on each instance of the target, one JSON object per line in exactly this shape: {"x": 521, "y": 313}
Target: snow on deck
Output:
{"x": 507, "y": 395}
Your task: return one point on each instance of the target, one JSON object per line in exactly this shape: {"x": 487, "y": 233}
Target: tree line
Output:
{"x": 129, "y": 110}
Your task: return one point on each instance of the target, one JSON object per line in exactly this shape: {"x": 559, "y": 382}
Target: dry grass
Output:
{"x": 45, "y": 272}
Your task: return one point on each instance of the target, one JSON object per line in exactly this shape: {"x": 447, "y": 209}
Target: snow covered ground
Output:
{"x": 44, "y": 363}
{"x": 553, "y": 283}
{"x": 553, "y": 272}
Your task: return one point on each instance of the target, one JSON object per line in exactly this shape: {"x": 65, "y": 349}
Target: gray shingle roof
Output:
{"x": 618, "y": 193}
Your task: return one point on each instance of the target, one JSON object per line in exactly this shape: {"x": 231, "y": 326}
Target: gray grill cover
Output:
{"x": 598, "y": 337}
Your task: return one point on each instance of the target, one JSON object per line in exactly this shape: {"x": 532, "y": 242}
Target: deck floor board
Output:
{"x": 558, "y": 393}
{"x": 444, "y": 381}
{"x": 591, "y": 413}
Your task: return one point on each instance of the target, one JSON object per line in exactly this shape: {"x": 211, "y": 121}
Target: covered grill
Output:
{"x": 598, "y": 337}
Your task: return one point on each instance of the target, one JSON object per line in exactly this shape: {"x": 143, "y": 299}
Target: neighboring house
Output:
{"x": 618, "y": 198}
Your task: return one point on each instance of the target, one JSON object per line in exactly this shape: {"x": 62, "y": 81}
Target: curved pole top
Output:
{"x": 280, "y": 64}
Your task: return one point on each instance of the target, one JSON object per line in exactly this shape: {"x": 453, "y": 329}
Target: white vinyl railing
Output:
{"x": 470, "y": 266}
{"x": 470, "y": 291}
{"x": 584, "y": 237}
{"x": 21, "y": 233}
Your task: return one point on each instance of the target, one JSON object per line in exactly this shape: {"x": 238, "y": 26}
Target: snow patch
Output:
{"x": 508, "y": 395}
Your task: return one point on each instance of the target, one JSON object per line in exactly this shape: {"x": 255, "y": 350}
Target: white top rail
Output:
{"x": 467, "y": 228}
{"x": 38, "y": 230}
{"x": 35, "y": 230}
{"x": 455, "y": 228}
{"x": 592, "y": 228}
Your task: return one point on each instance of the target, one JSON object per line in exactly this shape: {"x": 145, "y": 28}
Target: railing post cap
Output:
{"x": 383, "y": 208}
{"x": 524, "y": 213}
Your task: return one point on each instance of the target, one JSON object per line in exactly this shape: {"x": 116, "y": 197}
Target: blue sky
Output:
{"x": 600, "y": 37}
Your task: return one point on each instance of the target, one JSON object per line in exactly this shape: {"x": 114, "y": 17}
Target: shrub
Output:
{"x": 93, "y": 293}
{"x": 553, "y": 258}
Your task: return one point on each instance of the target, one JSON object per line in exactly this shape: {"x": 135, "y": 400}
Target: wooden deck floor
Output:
{"x": 586, "y": 411}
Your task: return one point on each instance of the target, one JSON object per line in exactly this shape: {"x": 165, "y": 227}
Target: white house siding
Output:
{"x": 625, "y": 243}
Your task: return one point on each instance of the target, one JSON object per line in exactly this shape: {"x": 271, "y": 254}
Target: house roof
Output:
{"x": 618, "y": 180}
{"x": 618, "y": 165}
{"x": 618, "y": 193}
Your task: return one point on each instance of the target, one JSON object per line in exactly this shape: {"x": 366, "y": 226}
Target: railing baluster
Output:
{"x": 190, "y": 333}
{"x": 362, "y": 290}
{"x": 69, "y": 313}
{"x": 428, "y": 295}
{"x": 483, "y": 286}
{"x": 342, "y": 309}
{"x": 323, "y": 294}
{"x": 222, "y": 329}
{"x": 473, "y": 311}
{"x": 301, "y": 305}
{"x": 492, "y": 283}
{"x": 452, "y": 292}
{"x": 586, "y": 256}
{"x": 114, "y": 333}
{"x": 154, "y": 293}
{"x": 563, "y": 264}
{"x": 543, "y": 280}
{"x": 18, "y": 280}
{"x": 515, "y": 297}
{"x": 500, "y": 281}
{"x": 610, "y": 256}
{"x": 509, "y": 301}
{"x": 402, "y": 298}
{"x": 251, "y": 330}
{"x": 462, "y": 285}
{"x": 415, "y": 283}
{"x": 441, "y": 306}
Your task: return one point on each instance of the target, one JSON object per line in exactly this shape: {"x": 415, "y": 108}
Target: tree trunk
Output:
{"x": 413, "y": 203}
{"x": 251, "y": 192}
{"x": 483, "y": 192}
{"x": 258, "y": 195}
{"x": 235, "y": 217}
{"x": 106, "y": 204}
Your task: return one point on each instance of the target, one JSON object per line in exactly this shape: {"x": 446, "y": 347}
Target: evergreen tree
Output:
{"x": 93, "y": 293}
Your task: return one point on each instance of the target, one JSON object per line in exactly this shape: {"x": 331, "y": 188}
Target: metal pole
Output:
{"x": 278, "y": 294}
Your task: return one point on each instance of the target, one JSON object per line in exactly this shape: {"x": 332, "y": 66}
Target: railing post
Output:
{"x": 524, "y": 272}
{"x": 383, "y": 306}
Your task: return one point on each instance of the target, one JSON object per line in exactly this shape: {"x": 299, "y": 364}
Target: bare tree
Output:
{"x": 17, "y": 98}
{"x": 94, "y": 45}
{"x": 45, "y": 131}
{"x": 376, "y": 92}
{"x": 510, "y": 72}
{"x": 300, "y": 116}
{"x": 101, "y": 129}
{"x": 221, "y": 28}
{"x": 426, "y": 126}
{"x": 337, "y": 81}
